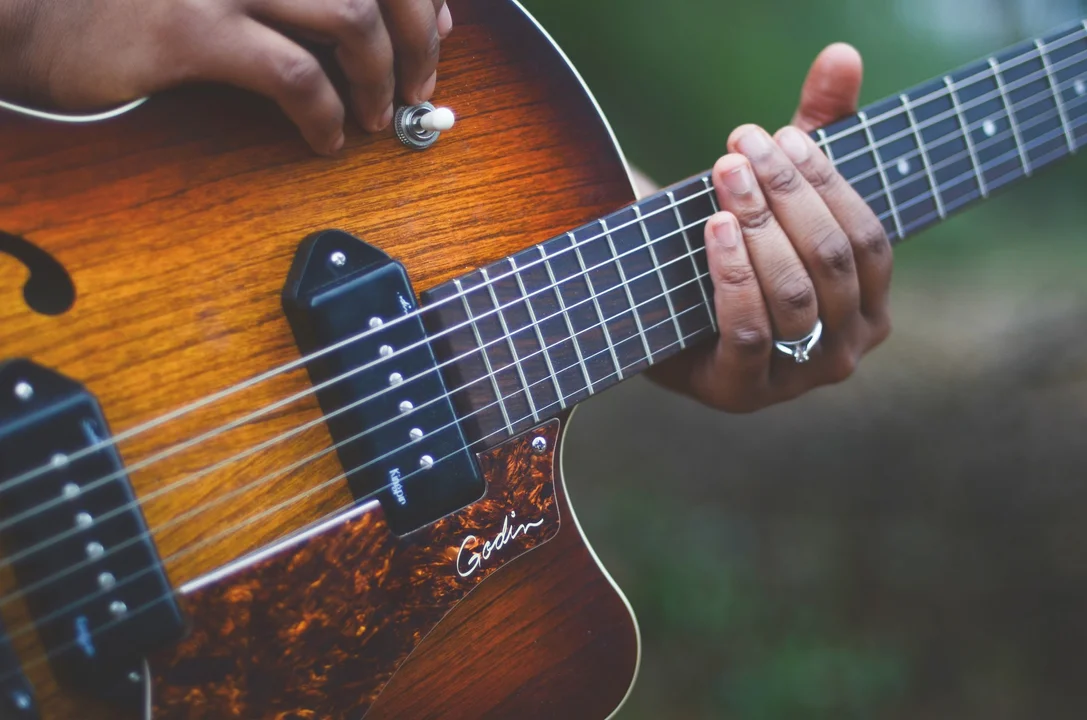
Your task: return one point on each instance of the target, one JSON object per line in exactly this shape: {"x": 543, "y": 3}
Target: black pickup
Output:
{"x": 387, "y": 408}
{"x": 73, "y": 531}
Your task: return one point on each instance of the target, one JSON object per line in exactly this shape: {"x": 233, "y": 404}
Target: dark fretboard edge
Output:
{"x": 527, "y": 337}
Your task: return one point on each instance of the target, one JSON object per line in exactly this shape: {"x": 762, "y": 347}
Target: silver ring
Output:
{"x": 800, "y": 350}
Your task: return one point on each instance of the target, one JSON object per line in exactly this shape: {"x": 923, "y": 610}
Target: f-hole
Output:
{"x": 49, "y": 290}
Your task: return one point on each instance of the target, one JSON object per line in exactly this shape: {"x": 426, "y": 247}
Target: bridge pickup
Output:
{"x": 387, "y": 408}
{"x": 16, "y": 694}
{"x": 79, "y": 545}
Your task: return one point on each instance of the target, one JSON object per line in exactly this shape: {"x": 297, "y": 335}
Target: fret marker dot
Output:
{"x": 426, "y": 462}
{"x": 406, "y": 406}
{"x": 989, "y": 128}
{"x": 95, "y": 550}
{"x": 385, "y": 351}
{"x": 396, "y": 379}
{"x": 415, "y": 434}
{"x": 1081, "y": 88}
{"x": 903, "y": 167}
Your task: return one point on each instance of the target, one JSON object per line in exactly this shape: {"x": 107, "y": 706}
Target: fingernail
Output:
{"x": 445, "y": 22}
{"x": 386, "y": 118}
{"x": 337, "y": 145}
{"x": 754, "y": 143}
{"x": 739, "y": 181}
{"x": 428, "y": 87}
{"x": 727, "y": 233}
{"x": 794, "y": 144}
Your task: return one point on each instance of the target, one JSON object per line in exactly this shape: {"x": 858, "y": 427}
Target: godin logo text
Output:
{"x": 471, "y": 561}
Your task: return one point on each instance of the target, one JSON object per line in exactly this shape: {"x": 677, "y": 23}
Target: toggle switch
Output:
{"x": 419, "y": 126}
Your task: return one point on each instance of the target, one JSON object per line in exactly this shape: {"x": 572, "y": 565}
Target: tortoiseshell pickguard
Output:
{"x": 317, "y": 629}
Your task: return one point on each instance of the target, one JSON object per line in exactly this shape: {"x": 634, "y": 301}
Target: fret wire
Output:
{"x": 1011, "y": 116}
{"x": 596, "y": 303}
{"x": 882, "y": 173}
{"x": 1057, "y": 95}
{"x": 965, "y": 125}
{"x": 826, "y": 145}
{"x": 924, "y": 156}
{"x": 539, "y": 333}
{"x": 976, "y": 102}
{"x": 630, "y": 294}
{"x": 249, "y": 383}
{"x": 483, "y": 352}
{"x": 566, "y": 317}
{"x": 711, "y": 308}
{"x": 660, "y": 275}
{"x": 509, "y": 341}
{"x": 690, "y": 250}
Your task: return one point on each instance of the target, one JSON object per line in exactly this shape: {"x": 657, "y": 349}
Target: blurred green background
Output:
{"x": 912, "y": 544}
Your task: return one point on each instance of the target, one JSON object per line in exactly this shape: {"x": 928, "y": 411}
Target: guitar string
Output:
{"x": 519, "y": 360}
{"x": 986, "y": 73}
{"x": 234, "y": 529}
{"x": 250, "y": 521}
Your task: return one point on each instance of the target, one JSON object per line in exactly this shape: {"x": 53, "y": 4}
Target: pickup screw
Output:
{"x": 70, "y": 490}
{"x": 426, "y": 462}
{"x": 95, "y": 550}
{"x": 415, "y": 434}
{"x": 117, "y": 608}
{"x": 376, "y": 322}
{"x": 84, "y": 520}
{"x": 58, "y": 460}
{"x": 396, "y": 379}
{"x": 24, "y": 390}
{"x": 338, "y": 259}
{"x": 539, "y": 444}
{"x": 406, "y": 406}
{"x": 106, "y": 581}
{"x": 385, "y": 351}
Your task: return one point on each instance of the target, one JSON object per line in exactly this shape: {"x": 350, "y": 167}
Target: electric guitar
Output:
{"x": 281, "y": 436}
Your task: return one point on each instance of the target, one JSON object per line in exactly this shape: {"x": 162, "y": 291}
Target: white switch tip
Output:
{"x": 439, "y": 120}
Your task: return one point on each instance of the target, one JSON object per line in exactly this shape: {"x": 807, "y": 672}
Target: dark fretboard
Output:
{"x": 534, "y": 334}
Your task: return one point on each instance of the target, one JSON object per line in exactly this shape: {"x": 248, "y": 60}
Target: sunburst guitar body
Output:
{"x": 177, "y": 226}
{"x": 281, "y": 436}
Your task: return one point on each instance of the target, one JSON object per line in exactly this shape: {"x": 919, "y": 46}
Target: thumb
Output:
{"x": 832, "y": 89}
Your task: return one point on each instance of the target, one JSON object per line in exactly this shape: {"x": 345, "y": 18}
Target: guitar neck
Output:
{"x": 540, "y": 331}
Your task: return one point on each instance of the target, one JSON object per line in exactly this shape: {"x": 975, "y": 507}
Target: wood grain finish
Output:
{"x": 178, "y": 224}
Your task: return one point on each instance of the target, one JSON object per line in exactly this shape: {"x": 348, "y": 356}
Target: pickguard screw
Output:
{"x": 134, "y": 677}
{"x": 338, "y": 259}
{"x": 24, "y": 390}
{"x": 539, "y": 444}
{"x": 22, "y": 700}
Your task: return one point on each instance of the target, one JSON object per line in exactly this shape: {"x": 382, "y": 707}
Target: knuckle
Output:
{"x": 359, "y": 16}
{"x": 881, "y": 330}
{"x": 822, "y": 176}
{"x": 873, "y": 241}
{"x": 784, "y": 180}
{"x": 737, "y": 276}
{"x": 796, "y": 293}
{"x": 833, "y": 252}
{"x": 299, "y": 74}
{"x": 750, "y": 341}
{"x": 841, "y": 367}
{"x": 758, "y": 217}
